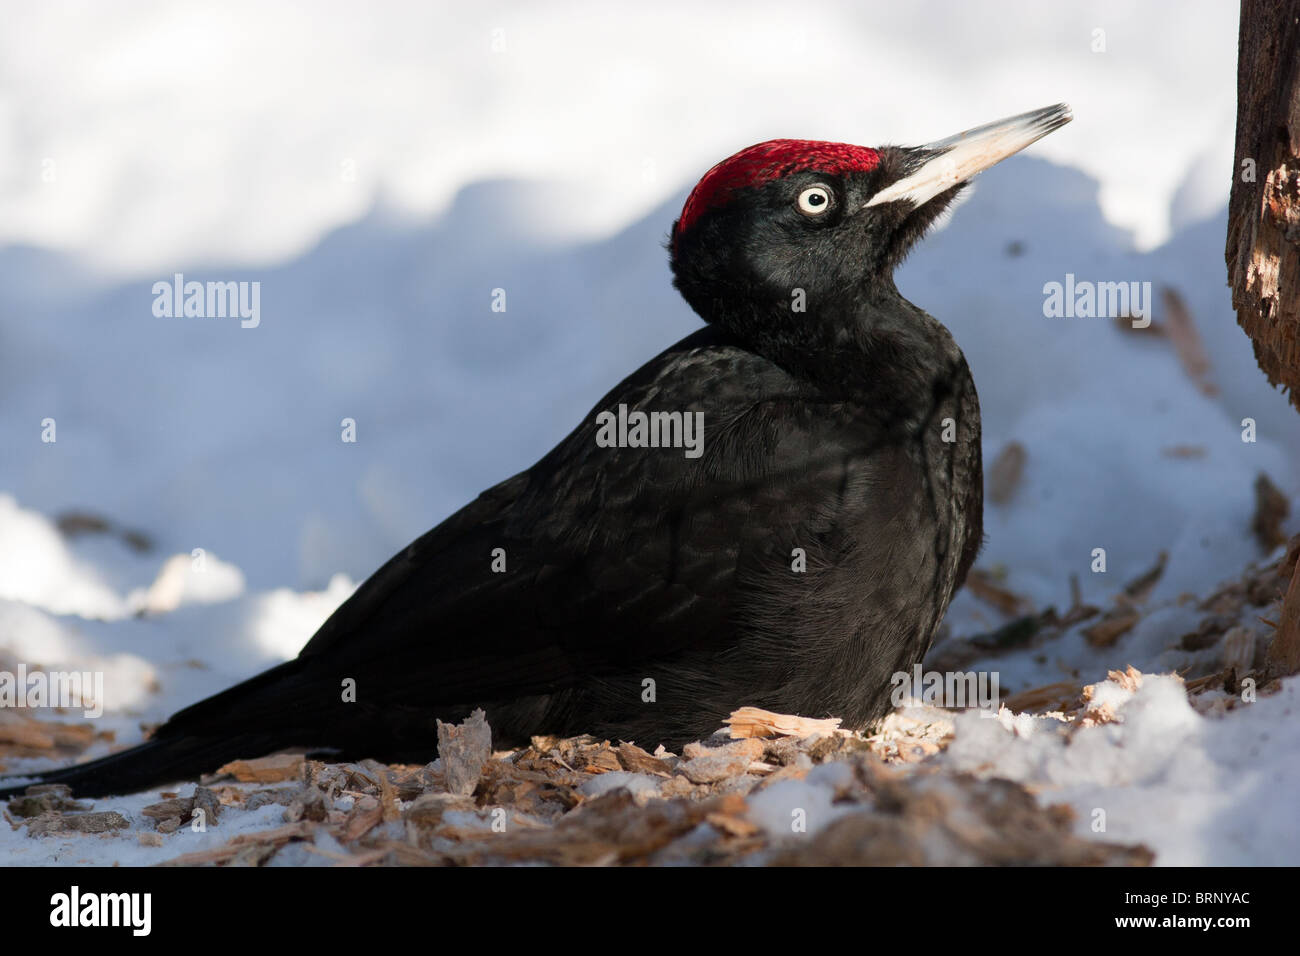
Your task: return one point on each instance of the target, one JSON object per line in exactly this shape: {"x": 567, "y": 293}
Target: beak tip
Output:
{"x": 1057, "y": 116}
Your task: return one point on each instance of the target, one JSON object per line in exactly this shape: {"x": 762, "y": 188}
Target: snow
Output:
{"x": 125, "y": 846}
{"x": 801, "y": 806}
{"x": 553, "y": 170}
{"x": 633, "y": 783}
{"x": 1199, "y": 791}
{"x": 237, "y": 132}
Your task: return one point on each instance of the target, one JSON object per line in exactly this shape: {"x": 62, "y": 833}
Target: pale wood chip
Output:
{"x": 464, "y": 750}
{"x": 748, "y": 747}
{"x": 755, "y": 722}
{"x": 273, "y": 769}
{"x": 1130, "y": 678}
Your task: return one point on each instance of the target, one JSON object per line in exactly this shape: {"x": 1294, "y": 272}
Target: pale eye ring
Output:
{"x": 815, "y": 200}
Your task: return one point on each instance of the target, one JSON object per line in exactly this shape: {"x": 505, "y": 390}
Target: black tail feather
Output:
{"x": 152, "y": 763}
{"x": 198, "y": 740}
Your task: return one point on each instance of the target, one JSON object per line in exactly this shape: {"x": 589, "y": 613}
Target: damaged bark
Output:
{"x": 1263, "y": 245}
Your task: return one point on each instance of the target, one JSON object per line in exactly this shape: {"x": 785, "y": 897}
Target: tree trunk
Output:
{"x": 1263, "y": 250}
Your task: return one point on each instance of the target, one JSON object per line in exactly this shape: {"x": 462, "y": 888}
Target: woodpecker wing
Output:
{"x": 613, "y": 555}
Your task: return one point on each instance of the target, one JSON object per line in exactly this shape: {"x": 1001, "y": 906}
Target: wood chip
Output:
{"x": 1140, "y": 588}
{"x": 463, "y": 750}
{"x": 273, "y": 769}
{"x": 755, "y": 722}
{"x": 23, "y": 736}
{"x": 912, "y": 751}
{"x": 747, "y": 747}
{"x": 1093, "y": 712}
{"x": 207, "y": 801}
{"x": 1284, "y": 652}
{"x": 1112, "y": 627}
{"x": 76, "y": 823}
{"x": 365, "y": 816}
{"x": 1048, "y": 697}
{"x": 1184, "y": 451}
{"x": 636, "y": 760}
{"x": 388, "y": 797}
{"x": 1239, "y": 650}
{"x": 1271, "y": 509}
{"x": 263, "y": 841}
{"x": 984, "y": 586}
{"x": 1130, "y": 678}
{"x": 1181, "y": 331}
{"x": 602, "y": 759}
{"x": 1006, "y": 471}
{"x": 728, "y": 815}
{"x": 181, "y": 807}
{"x": 714, "y": 767}
{"x": 43, "y": 798}
{"x": 1124, "y": 322}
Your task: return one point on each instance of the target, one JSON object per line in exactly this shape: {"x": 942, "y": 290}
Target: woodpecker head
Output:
{"x": 828, "y": 219}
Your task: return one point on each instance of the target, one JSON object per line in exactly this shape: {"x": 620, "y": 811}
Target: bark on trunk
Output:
{"x": 1263, "y": 249}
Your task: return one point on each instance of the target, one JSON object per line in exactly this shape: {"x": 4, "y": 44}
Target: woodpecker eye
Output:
{"x": 815, "y": 200}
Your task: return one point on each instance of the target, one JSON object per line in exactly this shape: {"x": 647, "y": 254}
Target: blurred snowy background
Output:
{"x": 381, "y": 168}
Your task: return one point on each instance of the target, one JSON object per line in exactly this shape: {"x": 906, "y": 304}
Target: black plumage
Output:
{"x": 645, "y": 593}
